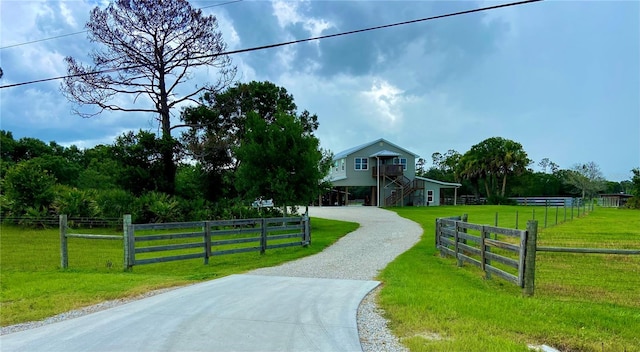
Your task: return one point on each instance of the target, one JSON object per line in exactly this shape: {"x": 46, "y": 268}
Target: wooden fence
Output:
{"x": 213, "y": 238}
{"x": 511, "y": 249}
{"x": 64, "y": 235}
{"x": 497, "y": 251}
{"x": 155, "y": 243}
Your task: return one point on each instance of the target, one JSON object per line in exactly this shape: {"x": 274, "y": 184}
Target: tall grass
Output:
{"x": 582, "y": 302}
{"x": 34, "y": 287}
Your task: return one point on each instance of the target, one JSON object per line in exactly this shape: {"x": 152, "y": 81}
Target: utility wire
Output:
{"x": 85, "y": 31}
{"x": 288, "y": 43}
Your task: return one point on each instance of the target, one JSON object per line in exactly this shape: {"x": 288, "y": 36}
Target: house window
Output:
{"x": 335, "y": 165}
{"x": 362, "y": 163}
{"x": 342, "y": 163}
{"x": 400, "y": 161}
{"x": 429, "y": 196}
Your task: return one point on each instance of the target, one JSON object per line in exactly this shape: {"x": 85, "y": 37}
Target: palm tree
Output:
{"x": 492, "y": 159}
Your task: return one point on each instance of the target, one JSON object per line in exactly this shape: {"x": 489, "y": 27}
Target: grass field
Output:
{"x": 582, "y": 302}
{"x": 33, "y": 287}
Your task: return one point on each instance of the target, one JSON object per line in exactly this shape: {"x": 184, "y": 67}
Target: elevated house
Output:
{"x": 389, "y": 171}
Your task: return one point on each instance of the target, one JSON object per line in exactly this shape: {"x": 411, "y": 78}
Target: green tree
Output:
{"x": 28, "y": 185}
{"x": 586, "y": 178}
{"x": 444, "y": 166}
{"x": 281, "y": 160}
{"x": 492, "y": 161}
{"x": 221, "y": 125}
{"x": 634, "y": 202}
{"x": 153, "y": 47}
{"x": 140, "y": 156}
{"x": 218, "y": 127}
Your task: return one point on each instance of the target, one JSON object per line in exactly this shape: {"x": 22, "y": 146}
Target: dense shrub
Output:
{"x": 500, "y": 200}
{"x": 75, "y": 203}
{"x": 28, "y": 185}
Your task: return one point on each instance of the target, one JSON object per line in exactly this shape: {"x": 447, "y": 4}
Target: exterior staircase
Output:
{"x": 406, "y": 187}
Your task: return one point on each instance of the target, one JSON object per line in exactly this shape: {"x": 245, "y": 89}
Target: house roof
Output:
{"x": 442, "y": 183}
{"x": 384, "y": 153}
{"x": 618, "y": 195}
{"x": 347, "y": 152}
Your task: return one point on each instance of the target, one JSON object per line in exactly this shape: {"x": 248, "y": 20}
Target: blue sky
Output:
{"x": 560, "y": 77}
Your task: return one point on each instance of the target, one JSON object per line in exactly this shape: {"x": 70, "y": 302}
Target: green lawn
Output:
{"x": 582, "y": 302}
{"x": 33, "y": 287}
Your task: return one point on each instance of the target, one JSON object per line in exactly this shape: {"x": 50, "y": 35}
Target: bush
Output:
{"x": 156, "y": 207}
{"x": 75, "y": 203}
{"x": 633, "y": 203}
{"x": 28, "y": 185}
{"x": 114, "y": 203}
{"x": 500, "y": 200}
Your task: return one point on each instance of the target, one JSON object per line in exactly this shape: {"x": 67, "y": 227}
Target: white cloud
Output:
{"x": 383, "y": 102}
{"x": 68, "y": 15}
{"x": 228, "y": 30}
{"x": 289, "y": 13}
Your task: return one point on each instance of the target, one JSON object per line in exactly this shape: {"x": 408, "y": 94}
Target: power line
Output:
{"x": 85, "y": 31}
{"x": 290, "y": 42}
{"x": 42, "y": 40}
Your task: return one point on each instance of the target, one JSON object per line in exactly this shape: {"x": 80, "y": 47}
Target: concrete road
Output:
{"x": 235, "y": 313}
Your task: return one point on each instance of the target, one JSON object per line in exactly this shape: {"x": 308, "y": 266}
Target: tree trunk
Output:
{"x": 504, "y": 184}
{"x": 486, "y": 186}
{"x": 168, "y": 166}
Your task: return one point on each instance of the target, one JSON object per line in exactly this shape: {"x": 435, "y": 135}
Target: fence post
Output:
{"x": 263, "y": 236}
{"x": 64, "y": 253}
{"x": 437, "y": 233}
{"x": 530, "y": 258}
{"x": 207, "y": 241}
{"x": 578, "y": 209}
{"x": 516, "y": 219}
{"x": 483, "y": 250}
{"x": 571, "y": 210}
{"x": 496, "y": 219}
{"x": 464, "y": 218}
{"x": 546, "y": 212}
{"x": 307, "y": 230}
{"x": 455, "y": 237}
{"x": 126, "y": 223}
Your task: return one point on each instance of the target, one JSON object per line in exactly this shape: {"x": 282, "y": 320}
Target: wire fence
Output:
{"x": 547, "y": 215}
{"x": 53, "y": 221}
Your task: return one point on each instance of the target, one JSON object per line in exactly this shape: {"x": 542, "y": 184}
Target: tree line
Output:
{"x": 498, "y": 168}
{"x": 245, "y": 142}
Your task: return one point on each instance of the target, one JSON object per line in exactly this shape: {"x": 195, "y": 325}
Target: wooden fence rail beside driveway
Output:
{"x": 496, "y": 250}
{"x": 510, "y": 254}
{"x": 164, "y": 242}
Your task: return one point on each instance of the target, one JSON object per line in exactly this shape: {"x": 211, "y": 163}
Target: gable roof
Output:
{"x": 347, "y": 152}
{"x": 384, "y": 153}
{"x": 442, "y": 183}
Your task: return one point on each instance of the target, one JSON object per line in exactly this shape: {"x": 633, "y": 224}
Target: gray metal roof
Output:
{"x": 384, "y": 153}
{"x": 442, "y": 183}
{"x": 347, "y": 152}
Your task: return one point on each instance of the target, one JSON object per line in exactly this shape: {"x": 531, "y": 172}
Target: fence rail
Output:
{"x": 588, "y": 250}
{"x": 64, "y": 235}
{"x": 54, "y": 220}
{"x": 453, "y": 238}
{"x": 213, "y": 238}
{"x": 143, "y": 245}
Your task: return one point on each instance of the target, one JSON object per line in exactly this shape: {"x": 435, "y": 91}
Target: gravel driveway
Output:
{"x": 382, "y": 236}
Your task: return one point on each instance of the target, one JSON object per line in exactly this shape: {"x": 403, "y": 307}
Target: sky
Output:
{"x": 560, "y": 77}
